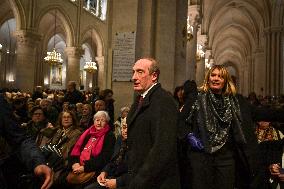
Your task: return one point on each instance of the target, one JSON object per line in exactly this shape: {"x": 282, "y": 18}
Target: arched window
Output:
{"x": 96, "y": 7}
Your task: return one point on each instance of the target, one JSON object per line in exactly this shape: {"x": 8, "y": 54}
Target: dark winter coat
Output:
{"x": 152, "y": 144}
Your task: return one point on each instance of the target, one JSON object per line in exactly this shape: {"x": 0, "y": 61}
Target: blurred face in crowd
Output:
{"x": 70, "y": 87}
{"x": 86, "y": 110}
{"x": 67, "y": 120}
{"x": 44, "y": 104}
{"x": 79, "y": 107}
{"x": 100, "y": 122}
{"x": 38, "y": 116}
{"x": 216, "y": 81}
{"x": 180, "y": 94}
{"x": 30, "y": 106}
{"x": 263, "y": 124}
{"x": 100, "y": 105}
{"x": 108, "y": 96}
{"x": 124, "y": 113}
{"x": 65, "y": 106}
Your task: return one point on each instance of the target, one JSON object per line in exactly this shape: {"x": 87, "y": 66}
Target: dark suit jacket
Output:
{"x": 152, "y": 142}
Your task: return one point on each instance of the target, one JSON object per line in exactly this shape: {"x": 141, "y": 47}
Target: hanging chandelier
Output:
{"x": 90, "y": 66}
{"x": 53, "y": 57}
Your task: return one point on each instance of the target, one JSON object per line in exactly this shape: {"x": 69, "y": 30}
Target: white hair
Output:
{"x": 100, "y": 113}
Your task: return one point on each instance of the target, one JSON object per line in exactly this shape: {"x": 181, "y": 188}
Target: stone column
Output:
{"x": 274, "y": 66}
{"x": 259, "y": 70}
{"x": 73, "y": 64}
{"x": 26, "y": 55}
{"x": 102, "y": 74}
{"x": 200, "y": 64}
{"x": 89, "y": 79}
{"x": 193, "y": 17}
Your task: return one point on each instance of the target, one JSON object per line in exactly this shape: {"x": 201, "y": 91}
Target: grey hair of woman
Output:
{"x": 101, "y": 113}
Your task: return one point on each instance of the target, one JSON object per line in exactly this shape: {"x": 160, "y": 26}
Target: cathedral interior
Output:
{"x": 96, "y": 43}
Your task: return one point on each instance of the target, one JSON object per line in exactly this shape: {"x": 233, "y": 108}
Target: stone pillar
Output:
{"x": 193, "y": 17}
{"x": 165, "y": 40}
{"x": 274, "y": 66}
{"x": 102, "y": 74}
{"x": 200, "y": 64}
{"x": 73, "y": 64}
{"x": 26, "y": 56}
{"x": 89, "y": 79}
{"x": 245, "y": 80}
{"x": 249, "y": 82}
{"x": 259, "y": 70}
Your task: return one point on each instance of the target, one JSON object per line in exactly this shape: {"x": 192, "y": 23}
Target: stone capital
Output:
{"x": 208, "y": 54}
{"x": 202, "y": 40}
{"x": 99, "y": 58}
{"x": 193, "y": 14}
{"x": 27, "y": 38}
{"x": 273, "y": 29}
{"x": 258, "y": 50}
{"x": 74, "y": 52}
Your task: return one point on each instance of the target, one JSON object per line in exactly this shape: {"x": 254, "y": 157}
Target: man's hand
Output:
{"x": 110, "y": 183}
{"x": 48, "y": 175}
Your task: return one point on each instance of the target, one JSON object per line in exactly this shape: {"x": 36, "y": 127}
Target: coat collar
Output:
{"x": 146, "y": 102}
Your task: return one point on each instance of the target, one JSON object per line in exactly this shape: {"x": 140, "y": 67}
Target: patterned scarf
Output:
{"x": 219, "y": 114}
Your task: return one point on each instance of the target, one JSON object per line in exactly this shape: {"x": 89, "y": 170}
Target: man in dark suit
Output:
{"x": 73, "y": 96}
{"x": 152, "y": 131}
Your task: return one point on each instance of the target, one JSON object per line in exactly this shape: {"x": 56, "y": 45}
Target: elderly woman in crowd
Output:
{"x": 114, "y": 174}
{"x": 86, "y": 120}
{"x": 66, "y": 136}
{"x": 91, "y": 152}
{"x": 117, "y": 125}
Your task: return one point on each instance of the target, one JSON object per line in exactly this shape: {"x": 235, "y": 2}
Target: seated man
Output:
{"x": 114, "y": 173}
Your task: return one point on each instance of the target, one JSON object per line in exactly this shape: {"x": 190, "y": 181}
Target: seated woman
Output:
{"x": 39, "y": 128}
{"x": 117, "y": 124}
{"x": 65, "y": 137}
{"x": 86, "y": 120}
{"x": 91, "y": 152}
{"x": 114, "y": 174}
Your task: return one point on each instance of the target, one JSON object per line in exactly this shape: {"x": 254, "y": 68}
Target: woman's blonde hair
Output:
{"x": 229, "y": 86}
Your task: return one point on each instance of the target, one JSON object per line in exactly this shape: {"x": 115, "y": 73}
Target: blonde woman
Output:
{"x": 219, "y": 128}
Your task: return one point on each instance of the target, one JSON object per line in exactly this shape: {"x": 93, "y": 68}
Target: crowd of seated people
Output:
{"x": 49, "y": 118}
{"x": 53, "y": 122}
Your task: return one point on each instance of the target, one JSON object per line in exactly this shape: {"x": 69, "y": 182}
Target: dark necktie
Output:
{"x": 140, "y": 101}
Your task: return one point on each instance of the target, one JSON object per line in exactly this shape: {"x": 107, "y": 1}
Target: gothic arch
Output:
{"x": 218, "y": 6}
{"x": 62, "y": 16}
{"x": 18, "y": 12}
{"x": 97, "y": 39}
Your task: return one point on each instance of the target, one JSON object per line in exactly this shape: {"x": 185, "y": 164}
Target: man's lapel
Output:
{"x": 134, "y": 112}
